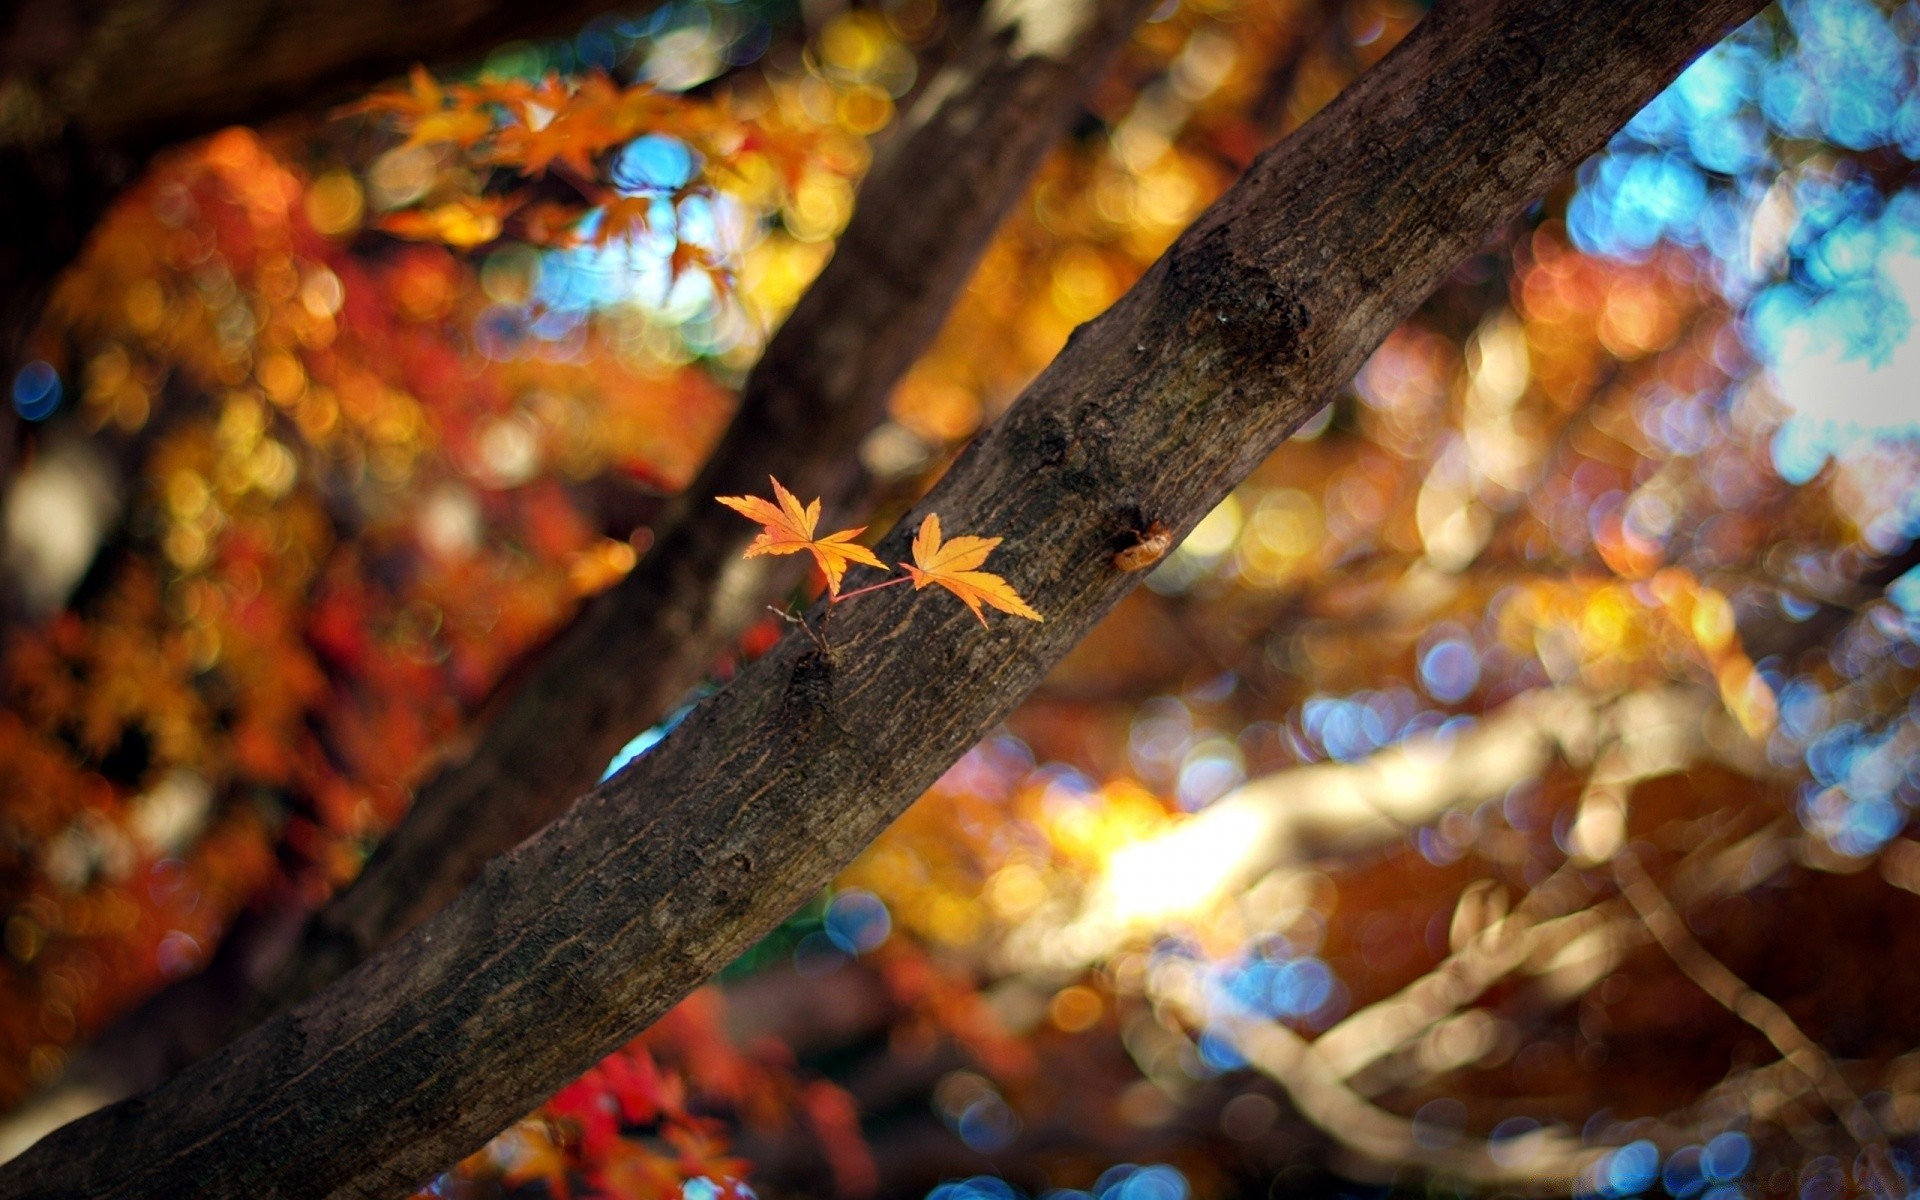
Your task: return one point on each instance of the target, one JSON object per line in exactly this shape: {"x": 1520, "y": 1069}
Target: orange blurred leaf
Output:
{"x": 466, "y": 222}
{"x": 624, "y": 215}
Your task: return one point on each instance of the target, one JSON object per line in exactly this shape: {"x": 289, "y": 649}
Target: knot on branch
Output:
{"x": 809, "y": 692}
{"x": 1215, "y": 299}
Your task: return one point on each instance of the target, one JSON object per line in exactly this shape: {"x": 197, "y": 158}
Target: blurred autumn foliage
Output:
{"x": 1505, "y": 789}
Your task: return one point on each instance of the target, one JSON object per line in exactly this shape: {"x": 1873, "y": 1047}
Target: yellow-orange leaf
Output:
{"x": 461, "y": 126}
{"x": 464, "y": 222}
{"x": 422, "y": 96}
{"x": 789, "y": 530}
{"x": 622, "y": 215}
{"x": 688, "y": 256}
{"x": 952, "y": 565}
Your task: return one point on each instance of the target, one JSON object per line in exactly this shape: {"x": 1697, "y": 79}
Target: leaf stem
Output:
{"x": 874, "y": 587}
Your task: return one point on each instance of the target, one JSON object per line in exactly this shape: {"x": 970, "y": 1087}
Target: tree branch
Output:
{"x": 571, "y": 943}
{"x": 1293, "y": 818}
{"x": 1731, "y": 992}
{"x": 926, "y": 211}
{"x": 924, "y": 215}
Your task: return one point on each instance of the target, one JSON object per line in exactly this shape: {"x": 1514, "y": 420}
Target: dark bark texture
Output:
{"x": 571, "y": 943}
{"x": 924, "y": 214}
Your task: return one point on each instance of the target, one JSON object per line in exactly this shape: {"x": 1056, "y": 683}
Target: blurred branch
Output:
{"x": 1556, "y": 932}
{"x": 1541, "y": 1162}
{"x": 1728, "y": 990}
{"x": 1547, "y": 920}
{"x": 1770, "y": 634}
{"x": 1322, "y": 26}
{"x": 1304, "y": 815}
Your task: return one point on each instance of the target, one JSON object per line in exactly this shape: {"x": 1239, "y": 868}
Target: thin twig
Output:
{"x": 790, "y": 619}
{"x": 1732, "y": 993}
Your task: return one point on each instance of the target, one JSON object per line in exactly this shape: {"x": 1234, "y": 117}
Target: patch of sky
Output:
{"x": 652, "y": 736}
{"x": 1629, "y": 1170}
{"x": 1352, "y": 727}
{"x": 653, "y": 163}
{"x": 1802, "y": 706}
{"x": 1682, "y": 1177}
{"x": 1126, "y": 1181}
{"x": 827, "y": 933}
{"x": 988, "y": 1125}
{"x": 1449, "y": 664}
{"x": 1904, "y": 592}
{"x": 1218, "y": 1053}
{"x": 857, "y": 921}
{"x": 1276, "y": 985}
{"x": 1729, "y": 161}
{"x": 634, "y": 268}
{"x": 979, "y": 1187}
{"x": 1727, "y": 1157}
{"x": 1861, "y": 791}
{"x": 1209, "y": 770}
{"x": 1838, "y": 337}
{"x": 1064, "y": 788}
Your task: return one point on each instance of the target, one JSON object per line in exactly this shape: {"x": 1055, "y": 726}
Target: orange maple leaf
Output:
{"x": 952, "y": 565}
{"x": 428, "y": 112}
{"x": 462, "y": 126}
{"x": 622, "y": 215}
{"x": 422, "y": 95}
{"x": 688, "y": 256}
{"x": 549, "y": 223}
{"x": 559, "y": 124}
{"x": 463, "y": 222}
{"x": 789, "y": 530}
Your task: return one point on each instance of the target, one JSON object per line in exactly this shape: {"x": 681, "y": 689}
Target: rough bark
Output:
{"x": 922, "y": 219}
{"x": 568, "y": 945}
{"x": 924, "y": 214}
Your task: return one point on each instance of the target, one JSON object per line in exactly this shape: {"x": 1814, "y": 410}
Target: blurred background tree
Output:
{"x": 1505, "y": 791}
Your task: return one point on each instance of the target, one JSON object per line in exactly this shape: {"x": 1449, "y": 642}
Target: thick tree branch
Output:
{"x": 571, "y": 943}
{"x": 925, "y": 213}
